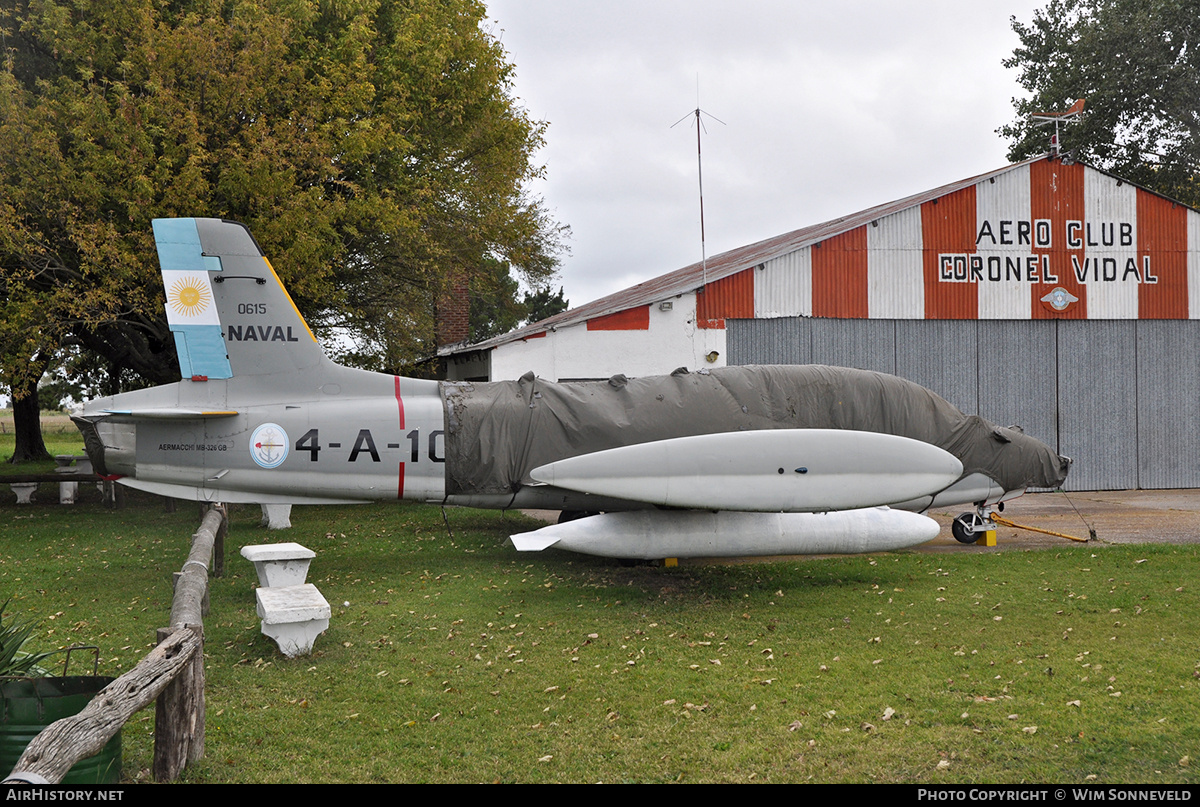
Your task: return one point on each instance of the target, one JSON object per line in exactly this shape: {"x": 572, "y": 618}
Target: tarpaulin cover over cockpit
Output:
{"x": 498, "y": 432}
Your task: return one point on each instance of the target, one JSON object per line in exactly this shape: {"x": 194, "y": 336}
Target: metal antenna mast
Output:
{"x": 700, "y": 173}
{"x": 1043, "y": 118}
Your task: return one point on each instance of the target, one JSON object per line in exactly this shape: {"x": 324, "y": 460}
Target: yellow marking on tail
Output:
{"x": 289, "y": 298}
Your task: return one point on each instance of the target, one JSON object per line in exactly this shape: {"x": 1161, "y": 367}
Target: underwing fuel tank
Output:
{"x": 656, "y": 534}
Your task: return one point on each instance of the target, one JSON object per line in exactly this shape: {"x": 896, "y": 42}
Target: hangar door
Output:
{"x": 1120, "y": 397}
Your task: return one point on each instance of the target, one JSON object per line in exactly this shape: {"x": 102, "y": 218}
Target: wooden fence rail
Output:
{"x": 173, "y": 672}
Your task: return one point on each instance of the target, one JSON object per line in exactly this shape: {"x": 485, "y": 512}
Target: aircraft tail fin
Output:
{"x": 227, "y": 309}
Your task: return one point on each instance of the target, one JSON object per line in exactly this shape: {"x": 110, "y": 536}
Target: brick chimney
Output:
{"x": 453, "y": 313}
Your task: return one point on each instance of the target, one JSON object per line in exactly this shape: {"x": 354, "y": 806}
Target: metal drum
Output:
{"x": 28, "y": 705}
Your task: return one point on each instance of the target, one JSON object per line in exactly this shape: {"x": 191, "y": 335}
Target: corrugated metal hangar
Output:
{"x": 1047, "y": 294}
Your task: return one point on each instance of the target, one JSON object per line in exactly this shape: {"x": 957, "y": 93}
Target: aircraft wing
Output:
{"x": 778, "y": 470}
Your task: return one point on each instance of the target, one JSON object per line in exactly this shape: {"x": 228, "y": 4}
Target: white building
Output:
{"x": 1047, "y": 294}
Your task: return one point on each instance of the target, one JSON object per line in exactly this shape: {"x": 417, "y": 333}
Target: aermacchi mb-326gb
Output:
{"x": 734, "y": 461}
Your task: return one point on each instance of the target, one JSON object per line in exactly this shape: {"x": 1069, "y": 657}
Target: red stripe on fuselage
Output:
{"x": 400, "y": 409}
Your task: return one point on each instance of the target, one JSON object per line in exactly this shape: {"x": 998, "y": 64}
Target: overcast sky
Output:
{"x": 827, "y": 109}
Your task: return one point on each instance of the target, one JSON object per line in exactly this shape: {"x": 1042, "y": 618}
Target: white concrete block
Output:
{"x": 293, "y": 617}
{"x": 284, "y": 564}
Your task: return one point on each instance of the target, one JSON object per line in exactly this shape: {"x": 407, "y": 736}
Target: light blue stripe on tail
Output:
{"x": 201, "y": 348}
{"x": 179, "y": 246}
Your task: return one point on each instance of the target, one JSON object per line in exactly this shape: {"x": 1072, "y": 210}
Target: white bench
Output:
{"x": 293, "y": 616}
{"x": 279, "y": 564}
{"x": 82, "y": 465}
{"x": 24, "y": 491}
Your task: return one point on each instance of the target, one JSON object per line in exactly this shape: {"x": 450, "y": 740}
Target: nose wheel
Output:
{"x": 967, "y": 527}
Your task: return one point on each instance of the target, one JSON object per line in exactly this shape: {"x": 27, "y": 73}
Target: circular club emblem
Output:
{"x": 1059, "y": 299}
{"x": 269, "y": 445}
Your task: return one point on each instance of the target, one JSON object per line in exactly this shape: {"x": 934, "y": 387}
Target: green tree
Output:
{"x": 373, "y": 147}
{"x": 27, "y": 350}
{"x": 498, "y": 306}
{"x": 1137, "y": 62}
{"x": 541, "y": 303}
{"x": 495, "y": 305}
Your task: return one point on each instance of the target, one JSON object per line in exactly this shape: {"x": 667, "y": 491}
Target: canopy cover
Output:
{"x": 497, "y": 432}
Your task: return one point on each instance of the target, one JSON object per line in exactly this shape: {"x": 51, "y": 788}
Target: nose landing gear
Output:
{"x": 967, "y": 527}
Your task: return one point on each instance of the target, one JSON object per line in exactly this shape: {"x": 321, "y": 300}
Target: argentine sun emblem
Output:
{"x": 189, "y": 296}
{"x": 269, "y": 445}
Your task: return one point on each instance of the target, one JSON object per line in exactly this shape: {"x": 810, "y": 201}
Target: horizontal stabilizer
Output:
{"x": 173, "y": 413}
{"x": 773, "y": 470}
{"x": 199, "y": 494}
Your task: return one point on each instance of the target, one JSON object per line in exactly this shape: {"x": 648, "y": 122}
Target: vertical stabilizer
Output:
{"x": 227, "y": 309}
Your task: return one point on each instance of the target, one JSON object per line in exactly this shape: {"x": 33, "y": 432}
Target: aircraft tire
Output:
{"x": 963, "y": 527}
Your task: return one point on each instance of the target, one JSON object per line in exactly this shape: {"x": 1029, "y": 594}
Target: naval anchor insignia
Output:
{"x": 269, "y": 445}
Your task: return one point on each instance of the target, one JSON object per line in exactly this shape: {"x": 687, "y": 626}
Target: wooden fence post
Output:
{"x": 179, "y": 714}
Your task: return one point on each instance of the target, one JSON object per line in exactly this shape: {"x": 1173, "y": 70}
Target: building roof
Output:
{"x": 692, "y": 277}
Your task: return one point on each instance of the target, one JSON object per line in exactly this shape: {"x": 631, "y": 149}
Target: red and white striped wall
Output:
{"x": 1043, "y": 240}
{"x": 1040, "y": 240}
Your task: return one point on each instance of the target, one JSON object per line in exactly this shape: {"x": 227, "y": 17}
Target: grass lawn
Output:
{"x": 58, "y": 433}
{"x": 452, "y": 658}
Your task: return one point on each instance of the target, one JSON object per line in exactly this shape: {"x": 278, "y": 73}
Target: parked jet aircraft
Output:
{"x": 735, "y": 461}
